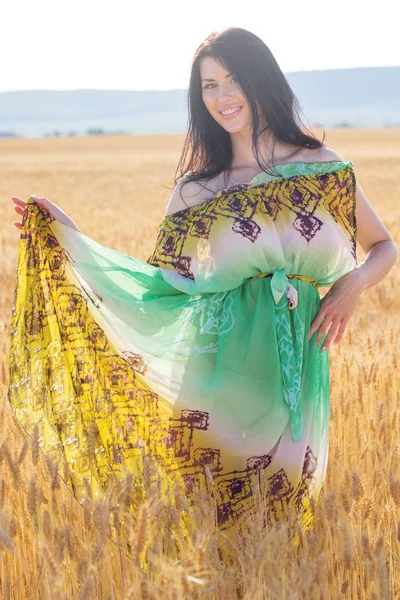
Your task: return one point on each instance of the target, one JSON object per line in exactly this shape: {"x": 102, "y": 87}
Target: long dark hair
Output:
{"x": 207, "y": 150}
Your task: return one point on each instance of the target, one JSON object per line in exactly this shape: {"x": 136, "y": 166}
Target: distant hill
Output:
{"x": 360, "y": 97}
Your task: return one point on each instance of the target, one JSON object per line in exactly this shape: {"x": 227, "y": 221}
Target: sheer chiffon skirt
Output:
{"x": 120, "y": 370}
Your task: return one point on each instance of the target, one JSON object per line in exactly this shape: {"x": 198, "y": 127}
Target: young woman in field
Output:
{"x": 210, "y": 356}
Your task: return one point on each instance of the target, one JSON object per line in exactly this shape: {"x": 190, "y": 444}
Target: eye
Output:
{"x": 233, "y": 79}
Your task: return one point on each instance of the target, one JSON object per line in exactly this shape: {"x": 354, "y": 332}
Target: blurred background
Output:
{"x": 92, "y": 68}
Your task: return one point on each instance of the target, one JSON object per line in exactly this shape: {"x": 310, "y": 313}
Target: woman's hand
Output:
{"x": 48, "y": 206}
{"x": 337, "y": 307}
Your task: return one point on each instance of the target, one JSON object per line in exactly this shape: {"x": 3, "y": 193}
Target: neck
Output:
{"x": 244, "y": 157}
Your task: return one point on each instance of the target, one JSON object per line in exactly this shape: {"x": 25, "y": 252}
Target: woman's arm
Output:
{"x": 339, "y": 303}
{"x": 375, "y": 240}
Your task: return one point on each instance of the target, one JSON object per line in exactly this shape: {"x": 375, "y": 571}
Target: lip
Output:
{"x": 233, "y": 115}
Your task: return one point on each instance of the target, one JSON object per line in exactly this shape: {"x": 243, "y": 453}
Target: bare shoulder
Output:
{"x": 187, "y": 194}
{"x": 323, "y": 154}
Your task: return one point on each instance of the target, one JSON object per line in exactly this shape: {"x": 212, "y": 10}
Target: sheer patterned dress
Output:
{"x": 197, "y": 357}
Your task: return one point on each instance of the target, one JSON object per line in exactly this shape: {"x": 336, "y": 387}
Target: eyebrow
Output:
{"x": 229, "y": 74}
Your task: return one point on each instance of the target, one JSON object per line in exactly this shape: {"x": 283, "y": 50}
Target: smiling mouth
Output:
{"x": 232, "y": 112}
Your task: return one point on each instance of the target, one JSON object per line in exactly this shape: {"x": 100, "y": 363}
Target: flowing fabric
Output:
{"x": 197, "y": 357}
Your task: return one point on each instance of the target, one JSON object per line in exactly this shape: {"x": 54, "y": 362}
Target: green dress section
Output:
{"x": 197, "y": 357}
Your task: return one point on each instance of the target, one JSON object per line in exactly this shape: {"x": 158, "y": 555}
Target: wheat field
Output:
{"x": 51, "y": 547}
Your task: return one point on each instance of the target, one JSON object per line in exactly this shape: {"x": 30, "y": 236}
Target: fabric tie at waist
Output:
{"x": 290, "y": 347}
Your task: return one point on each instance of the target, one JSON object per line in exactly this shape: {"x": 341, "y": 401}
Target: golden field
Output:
{"x": 116, "y": 190}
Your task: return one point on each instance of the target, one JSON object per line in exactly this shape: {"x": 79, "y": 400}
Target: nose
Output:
{"x": 223, "y": 93}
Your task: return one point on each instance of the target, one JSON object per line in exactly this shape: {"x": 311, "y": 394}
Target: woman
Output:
{"x": 207, "y": 356}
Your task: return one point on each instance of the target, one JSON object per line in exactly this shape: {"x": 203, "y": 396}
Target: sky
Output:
{"x": 149, "y": 44}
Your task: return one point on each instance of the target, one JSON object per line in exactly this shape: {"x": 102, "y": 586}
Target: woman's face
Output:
{"x": 220, "y": 92}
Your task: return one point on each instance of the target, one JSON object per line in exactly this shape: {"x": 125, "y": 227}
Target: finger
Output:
{"x": 17, "y": 224}
{"x": 322, "y": 329}
{"x": 19, "y": 209}
{"x": 316, "y": 323}
{"x": 18, "y": 201}
{"x": 332, "y": 330}
{"x": 340, "y": 332}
